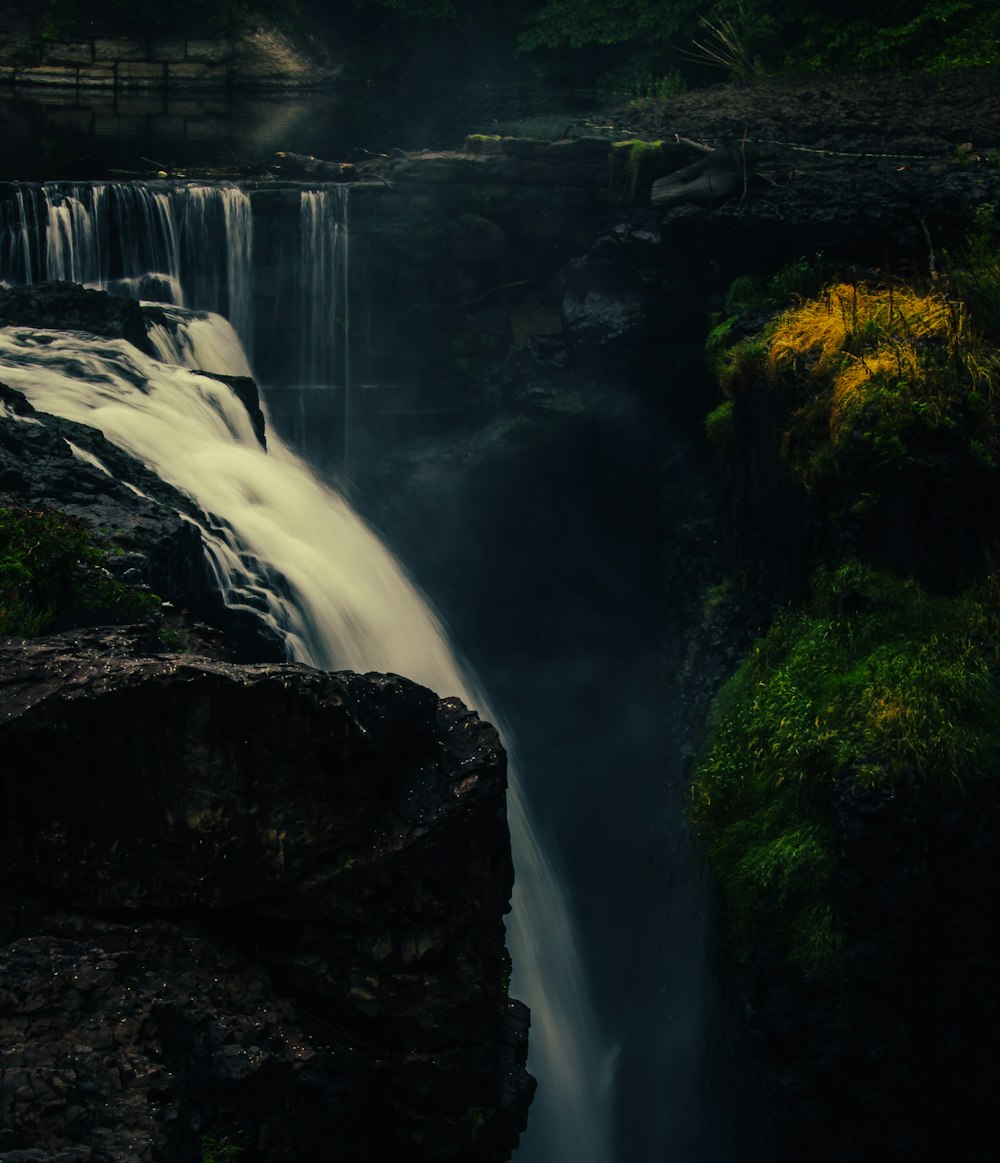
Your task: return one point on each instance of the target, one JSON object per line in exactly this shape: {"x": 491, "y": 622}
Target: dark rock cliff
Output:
{"x": 259, "y": 901}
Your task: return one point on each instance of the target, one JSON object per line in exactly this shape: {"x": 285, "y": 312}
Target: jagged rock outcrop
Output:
{"x": 49, "y": 462}
{"x": 70, "y": 307}
{"x": 261, "y": 902}
{"x": 255, "y": 904}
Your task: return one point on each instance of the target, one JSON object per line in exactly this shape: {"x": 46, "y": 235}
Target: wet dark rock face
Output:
{"x": 256, "y": 901}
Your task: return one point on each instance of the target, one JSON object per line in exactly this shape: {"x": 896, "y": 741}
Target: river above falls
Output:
{"x": 49, "y": 134}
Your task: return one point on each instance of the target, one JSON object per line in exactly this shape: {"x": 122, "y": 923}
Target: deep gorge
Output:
{"x": 519, "y": 395}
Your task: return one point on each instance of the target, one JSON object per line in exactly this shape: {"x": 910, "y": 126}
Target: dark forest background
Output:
{"x": 639, "y": 47}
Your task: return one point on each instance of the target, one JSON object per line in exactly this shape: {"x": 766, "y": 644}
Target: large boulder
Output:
{"x": 260, "y": 902}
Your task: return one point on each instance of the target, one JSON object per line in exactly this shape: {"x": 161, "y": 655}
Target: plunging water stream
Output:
{"x": 352, "y": 605}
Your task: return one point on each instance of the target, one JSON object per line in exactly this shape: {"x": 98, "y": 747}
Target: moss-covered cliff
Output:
{"x": 846, "y": 792}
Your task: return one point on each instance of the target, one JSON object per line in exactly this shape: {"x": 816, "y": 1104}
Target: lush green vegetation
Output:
{"x": 52, "y": 567}
{"x": 719, "y": 423}
{"x": 875, "y": 681}
{"x": 66, "y": 18}
{"x": 890, "y": 373}
{"x": 886, "y": 369}
{"x": 641, "y": 42}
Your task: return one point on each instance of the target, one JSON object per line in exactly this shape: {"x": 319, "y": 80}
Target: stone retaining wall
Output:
{"x": 263, "y": 57}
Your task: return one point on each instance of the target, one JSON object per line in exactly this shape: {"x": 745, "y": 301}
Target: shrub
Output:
{"x": 52, "y": 567}
{"x": 219, "y": 1149}
{"x": 974, "y": 273}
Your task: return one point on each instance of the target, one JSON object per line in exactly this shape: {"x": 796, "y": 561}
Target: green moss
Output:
{"x": 799, "y": 279}
{"x": 974, "y": 272}
{"x": 739, "y": 366}
{"x": 632, "y": 156}
{"x": 875, "y": 680}
{"x": 716, "y": 596}
{"x": 51, "y": 567}
{"x": 747, "y": 291}
{"x": 889, "y": 376}
{"x": 719, "y": 424}
{"x": 719, "y": 340}
{"x": 634, "y": 149}
{"x": 482, "y": 143}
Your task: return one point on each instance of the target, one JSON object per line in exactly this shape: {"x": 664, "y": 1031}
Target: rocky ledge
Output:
{"x": 259, "y": 904}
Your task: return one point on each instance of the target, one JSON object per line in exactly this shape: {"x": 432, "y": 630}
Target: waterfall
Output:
{"x": 184, "y": 243}
{"x": 323, "y": 287}
{"x": 353, "y": 608}
{"x": 192, "y": 245}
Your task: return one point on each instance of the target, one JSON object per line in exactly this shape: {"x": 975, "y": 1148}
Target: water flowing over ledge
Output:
{"x": 278, "y": 536}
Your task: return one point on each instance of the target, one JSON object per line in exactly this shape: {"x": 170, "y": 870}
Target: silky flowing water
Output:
{"x": 342, "y": 602}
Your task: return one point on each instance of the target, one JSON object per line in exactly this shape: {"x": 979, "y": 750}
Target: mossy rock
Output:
{"x": 874, "y": 684}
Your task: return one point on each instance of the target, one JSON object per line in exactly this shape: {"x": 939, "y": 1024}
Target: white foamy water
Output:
{"x": 351, "y": 606}
{"x": 186, "y": 243}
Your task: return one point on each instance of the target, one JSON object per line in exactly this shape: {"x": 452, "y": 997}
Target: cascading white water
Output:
{"x": 353, "y": 607}
{"x": 184, "y": 243}
{"x": 324, "y": 299}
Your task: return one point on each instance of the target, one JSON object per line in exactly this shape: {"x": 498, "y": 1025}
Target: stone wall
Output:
{"x": 203, "y": 58}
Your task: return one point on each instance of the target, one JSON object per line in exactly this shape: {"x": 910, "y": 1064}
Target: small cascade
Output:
{"x": 186, "y": 244}
{"x": 209, "y": 218}
{"x": 199, "y": 340}
{"x": 341, "y": 601}
{"x": 17, "y": 251}
{"x": 72, "y": 237}
{"x": 323, "y": 308}
{"x": 324, "y": 263}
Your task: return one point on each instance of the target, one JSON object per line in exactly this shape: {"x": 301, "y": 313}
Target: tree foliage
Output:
{"x": 936, "y": 34}
{"x": 636, "y": 38}
{"x": 64, "y": 18}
